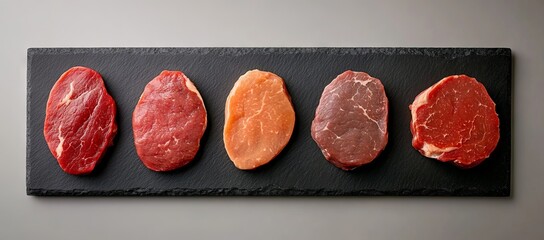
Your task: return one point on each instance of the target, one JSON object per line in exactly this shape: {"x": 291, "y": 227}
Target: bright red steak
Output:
{"x": 455, "y": 121}
{"x": 168, "y": 122}
{"x": 80, "y": 120}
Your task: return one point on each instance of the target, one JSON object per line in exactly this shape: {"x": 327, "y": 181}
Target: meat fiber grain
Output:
{"x": 259, "y": 119}
{"x": 350, "y": 124}
{"x": 169, "y": 122}
{"x": 80, "y": 120}
{"x": 455, "y": 121}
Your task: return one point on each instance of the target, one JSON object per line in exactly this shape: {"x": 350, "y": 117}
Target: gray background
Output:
{"x": 514, "y": 24}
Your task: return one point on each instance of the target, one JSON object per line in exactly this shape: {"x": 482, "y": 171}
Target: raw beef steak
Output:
{"x": 168, "y": 122}
{"x": 350, "y": 124}
{"x": 80, "y": 120}
{"x": 455, "y": 121}
{"x": 259, "y": 119}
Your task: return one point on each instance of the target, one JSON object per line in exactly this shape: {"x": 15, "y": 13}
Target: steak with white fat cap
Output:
{"x": 455, "y": 121}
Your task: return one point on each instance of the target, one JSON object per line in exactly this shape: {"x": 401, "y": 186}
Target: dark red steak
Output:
{"x": 79, "y": 120}
{"x": 168, "y": 122}
{"x": 455, "y": 121}
{"x": 350, "y": 124}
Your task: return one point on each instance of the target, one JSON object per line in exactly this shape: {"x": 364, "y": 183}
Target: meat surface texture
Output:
{"x": 80, "y": 120}
{"x": 350, "y": 124}
{"x": 455, "y": 121}
{"x": 168, "y": 122}
{"x": 259, "y": 119}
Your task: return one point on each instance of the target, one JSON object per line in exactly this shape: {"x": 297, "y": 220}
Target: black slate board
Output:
{"x": 300, "y": 169}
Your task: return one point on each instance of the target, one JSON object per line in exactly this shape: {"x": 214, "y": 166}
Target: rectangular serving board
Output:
{"x": 300, "y": 169}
